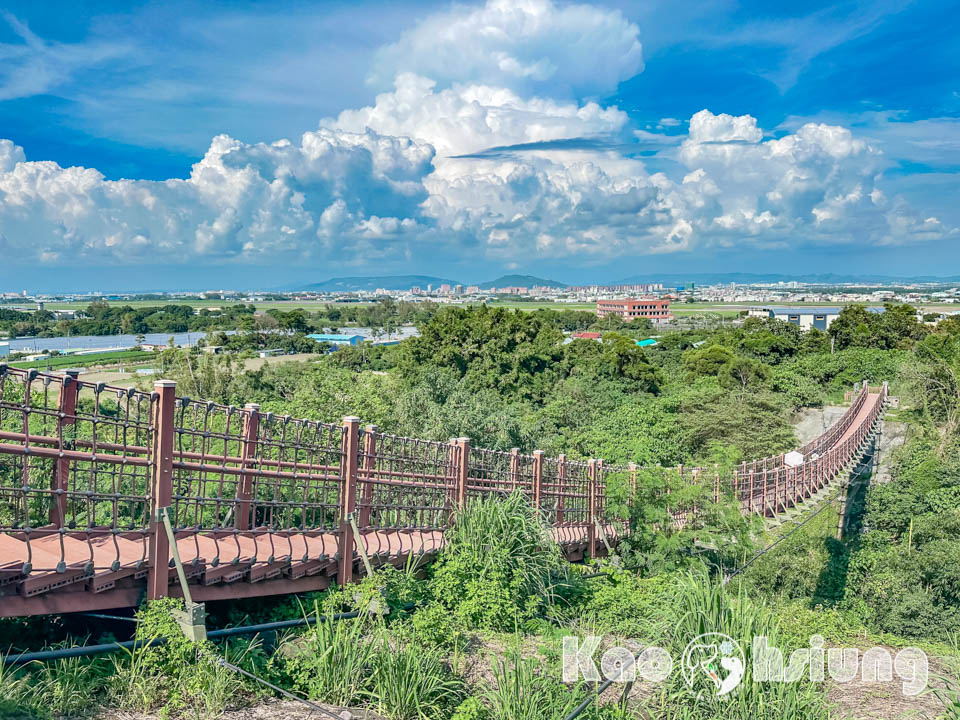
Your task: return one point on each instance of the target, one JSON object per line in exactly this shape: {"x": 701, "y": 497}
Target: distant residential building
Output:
{"x": 415, "y": 290}
{"x": 337, "y": 339}
{"x": 458, "y": 289}
{"x": 654, "y": 309}
{"x": 473, "y": 289}
{"x": 444, "y": 289}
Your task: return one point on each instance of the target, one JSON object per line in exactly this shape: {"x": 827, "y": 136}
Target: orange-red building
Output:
{"x": 654, "y": 309}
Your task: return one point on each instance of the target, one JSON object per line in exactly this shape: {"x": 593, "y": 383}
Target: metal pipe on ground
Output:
{"x": 90, "y": 650}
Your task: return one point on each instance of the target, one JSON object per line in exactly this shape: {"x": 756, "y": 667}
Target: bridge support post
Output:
{"x": 737, "y": 475}
{"x": 248, "y": 453}
{"x": 537, "y": 490}
{"x": 592, "y": 507}
{"x": 765, "y": 499}
{"x": 463, "y": 471}
{"x": 348, "y": 497}
{"x": 561, "y": 485}
{"x": 514, "y": 468}
{"x": 162, "y": 488}
{"x": 66, "y": 433}
{"x": 369, "y": 465}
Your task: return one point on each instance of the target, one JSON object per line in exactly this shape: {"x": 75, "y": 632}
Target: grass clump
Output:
{"x": 500, "y": 566}
{"x": 356, "y": 662}
{"x": 330, "y": 662}
{"x": 413, "y": 683}
{"x": 706, "y": 606}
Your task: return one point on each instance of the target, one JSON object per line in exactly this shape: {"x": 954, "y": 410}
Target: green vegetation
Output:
{"x": 500, "y": 565}
{"x": 476, "y": 634}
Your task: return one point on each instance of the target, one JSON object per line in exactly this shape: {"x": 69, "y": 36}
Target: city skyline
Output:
{"x": 582, "y": 142}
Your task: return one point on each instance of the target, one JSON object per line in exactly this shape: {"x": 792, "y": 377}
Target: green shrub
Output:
{"x": 500, "y": 566}
{"x": 180, "y": 674}
{"x": 471, "y": 709}
{"x": 903, "y": 577}
{"x": 627, "y": 605}
{"x": 388, "y": 590}
{"x": 434, "y": 627}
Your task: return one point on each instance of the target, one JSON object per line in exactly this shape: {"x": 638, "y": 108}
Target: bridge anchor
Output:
{"x": 192, "y": 620}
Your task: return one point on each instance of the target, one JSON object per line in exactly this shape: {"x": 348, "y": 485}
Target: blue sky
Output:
{"x": 141, "y": 140}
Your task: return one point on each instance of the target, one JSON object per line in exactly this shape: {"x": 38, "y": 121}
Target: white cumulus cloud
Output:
{"x": 529, "y": 46}
{"x": 479, "y": 148}
{"x": 248, "y": 201}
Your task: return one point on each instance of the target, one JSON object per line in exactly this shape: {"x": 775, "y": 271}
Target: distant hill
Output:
{"x": 387, "y": 282}
{"x": 527, "y": 281}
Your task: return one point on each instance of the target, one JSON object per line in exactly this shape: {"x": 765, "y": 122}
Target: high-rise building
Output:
{"x": 444, "y": 289}
{"x": 458, "y": 289}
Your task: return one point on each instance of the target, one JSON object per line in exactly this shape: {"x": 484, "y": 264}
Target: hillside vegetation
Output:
{"x": 477, "y": 635}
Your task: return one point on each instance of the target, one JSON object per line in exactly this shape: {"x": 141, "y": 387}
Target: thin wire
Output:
{"x": 285, "y": 693}
{"x": 780, "y": 539}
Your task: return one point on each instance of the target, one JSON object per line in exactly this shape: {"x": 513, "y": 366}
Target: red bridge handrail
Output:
{"x": 87, "y": 465}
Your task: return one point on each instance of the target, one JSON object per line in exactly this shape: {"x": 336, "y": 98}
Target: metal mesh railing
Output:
{"x": 85, "y": 468}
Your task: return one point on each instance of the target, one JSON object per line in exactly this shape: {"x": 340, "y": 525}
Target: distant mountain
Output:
{"x": 527, "y": 281}
{"x": 387, "y": 282}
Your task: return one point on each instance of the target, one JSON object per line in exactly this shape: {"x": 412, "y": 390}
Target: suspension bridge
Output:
{"x": 108, "y": 494}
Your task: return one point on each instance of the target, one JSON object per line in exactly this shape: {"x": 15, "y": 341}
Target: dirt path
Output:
{"x": 266, "y": 710}
{"x": 884, "y": 700}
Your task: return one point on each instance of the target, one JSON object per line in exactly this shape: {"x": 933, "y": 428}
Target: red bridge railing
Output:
{"x": 85, "y": 469}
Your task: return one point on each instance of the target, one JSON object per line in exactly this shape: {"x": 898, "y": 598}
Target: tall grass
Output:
{"x": 706, "y": 606}
{"x": 411, "y": 683}
{"x": 949, "y": 695}
{"x": 68, "y": 686}
{"x": 16, "y": 700}
{"x": 132, "y": 685}
{"x": 520, "y": 693}
{"x": 331, "y": 662}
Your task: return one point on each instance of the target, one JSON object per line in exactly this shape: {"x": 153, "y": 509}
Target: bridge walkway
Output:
{"x": 262, "y": 504}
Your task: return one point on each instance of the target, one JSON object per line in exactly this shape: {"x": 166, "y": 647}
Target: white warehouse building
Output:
{"x": 806, "y": 317}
